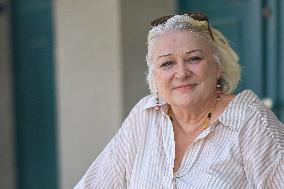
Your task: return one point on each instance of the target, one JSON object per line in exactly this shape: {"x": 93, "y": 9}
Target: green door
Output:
{"x": 254, "y": 38}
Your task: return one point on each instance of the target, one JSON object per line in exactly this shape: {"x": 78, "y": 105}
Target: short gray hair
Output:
{"x": 224, "y": 55}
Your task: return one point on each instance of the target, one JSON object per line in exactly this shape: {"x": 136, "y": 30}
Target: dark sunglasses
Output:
{"x": 194, "y": 15}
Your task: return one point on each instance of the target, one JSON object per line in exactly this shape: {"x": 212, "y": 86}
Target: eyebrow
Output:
{"x": 163, "y": 55}
{"x": 194, "y": 50}
{"x": 189, "y": 52}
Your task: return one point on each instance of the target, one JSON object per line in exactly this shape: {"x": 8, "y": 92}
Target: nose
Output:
{"x": 182, "y": 71}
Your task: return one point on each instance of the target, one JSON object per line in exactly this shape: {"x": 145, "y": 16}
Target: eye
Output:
{"x": 166, "y": 64}
{"x": 194, "y": 59}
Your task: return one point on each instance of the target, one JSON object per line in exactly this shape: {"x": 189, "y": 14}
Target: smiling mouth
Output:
{"x": 185, "y": 87}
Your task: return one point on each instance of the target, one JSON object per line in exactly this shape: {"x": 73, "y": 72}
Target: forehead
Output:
{"x": 172, "y": 42}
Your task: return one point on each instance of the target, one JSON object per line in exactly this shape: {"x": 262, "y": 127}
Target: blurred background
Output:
{"x": 71, "y": 70}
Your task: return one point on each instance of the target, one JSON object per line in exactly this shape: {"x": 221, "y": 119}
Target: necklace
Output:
{"x": 208, "y": 117}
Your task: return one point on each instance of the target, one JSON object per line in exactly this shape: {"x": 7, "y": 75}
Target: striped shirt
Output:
{"x": 244, "y": 148}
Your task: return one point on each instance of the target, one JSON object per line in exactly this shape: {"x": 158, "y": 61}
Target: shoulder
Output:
{"x": 261, "y": 122}
{"x": 134, "y": 124}
{"x": 247, "y": 115}
{"x": 140, "y": 112}
{"x": 261, "y": 134}
{"x": 245, "y": 109}
{"x": 261, "y": 139}
{"x": 144, "y": 103}
{"x": 260, "y": 118}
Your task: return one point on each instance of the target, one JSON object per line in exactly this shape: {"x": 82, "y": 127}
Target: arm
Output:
{"x": 275, "y": 176}
{"x": 262, "y": 147}
{"x": 108, "y": 169}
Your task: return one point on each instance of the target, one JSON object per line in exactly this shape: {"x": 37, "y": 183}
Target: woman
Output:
{"x": 192, "y": 132}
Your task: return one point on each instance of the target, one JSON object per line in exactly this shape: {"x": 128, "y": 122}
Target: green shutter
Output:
{"x": 34, "y": 88}
{"x": 280, "y": 68}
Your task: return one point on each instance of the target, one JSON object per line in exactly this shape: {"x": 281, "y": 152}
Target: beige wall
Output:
{"x": 7, "y": 167}
{"x": 88, "y": 81}
{"x": 100, "y": 62}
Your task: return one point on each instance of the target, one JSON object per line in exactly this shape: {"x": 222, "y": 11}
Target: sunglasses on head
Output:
{"x": 194, "y": 15}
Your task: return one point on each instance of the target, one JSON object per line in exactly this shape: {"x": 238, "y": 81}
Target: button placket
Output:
{"x": 193, "y": 152}
{"x": 169, "y": 148}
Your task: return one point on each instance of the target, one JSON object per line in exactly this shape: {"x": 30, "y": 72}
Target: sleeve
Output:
{"x": 109, "y": 168}
{"x": 275, "y": 177}
{"x": 262, "y": 147}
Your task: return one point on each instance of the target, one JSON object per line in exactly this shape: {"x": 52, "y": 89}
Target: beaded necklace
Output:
{"x": 208, "y": 117}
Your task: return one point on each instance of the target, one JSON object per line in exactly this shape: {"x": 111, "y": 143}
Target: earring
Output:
{"x": 157, "y": 106}
{"x": 219, "y": 88}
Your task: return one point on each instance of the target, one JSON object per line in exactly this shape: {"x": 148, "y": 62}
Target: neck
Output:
{"x": 189, "y": 119}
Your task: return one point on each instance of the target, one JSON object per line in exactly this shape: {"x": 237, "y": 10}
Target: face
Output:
{"x": 185, "y": 72}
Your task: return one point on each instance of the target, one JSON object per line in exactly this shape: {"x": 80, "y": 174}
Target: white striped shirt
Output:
{"x": 244, "y": 148}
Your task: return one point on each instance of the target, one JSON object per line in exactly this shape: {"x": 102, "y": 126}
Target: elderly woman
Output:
{"x": 192, "y": 132}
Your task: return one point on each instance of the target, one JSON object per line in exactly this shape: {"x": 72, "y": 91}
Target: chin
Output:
{"x": 184, "y": 101}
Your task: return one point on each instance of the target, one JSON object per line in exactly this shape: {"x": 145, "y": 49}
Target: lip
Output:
{"x": 185, "y": 87}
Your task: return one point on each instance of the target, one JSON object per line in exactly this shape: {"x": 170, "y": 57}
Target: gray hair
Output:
{"x": 224, "y": 55}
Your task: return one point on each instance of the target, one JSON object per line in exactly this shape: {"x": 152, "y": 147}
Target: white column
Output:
{"x": 89, "y": 97}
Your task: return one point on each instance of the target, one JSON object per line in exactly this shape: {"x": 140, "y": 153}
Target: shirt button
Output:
{"x": 262, "y": 118}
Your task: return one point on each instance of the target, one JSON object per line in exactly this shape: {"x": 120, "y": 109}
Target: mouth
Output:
{"x": 185, "y": 87}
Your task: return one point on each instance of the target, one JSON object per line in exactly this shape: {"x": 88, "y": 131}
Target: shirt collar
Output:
{"x": 234, "y": 113}
{"x": 152, "y": 102}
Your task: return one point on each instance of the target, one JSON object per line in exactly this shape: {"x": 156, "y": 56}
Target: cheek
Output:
{"x": 158, "y": 79}
{"x": 200, "y": 72}
{"x": 210, "y": 76}
{"x": 209, "y": 72}
{"x": 162, "y": 80}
